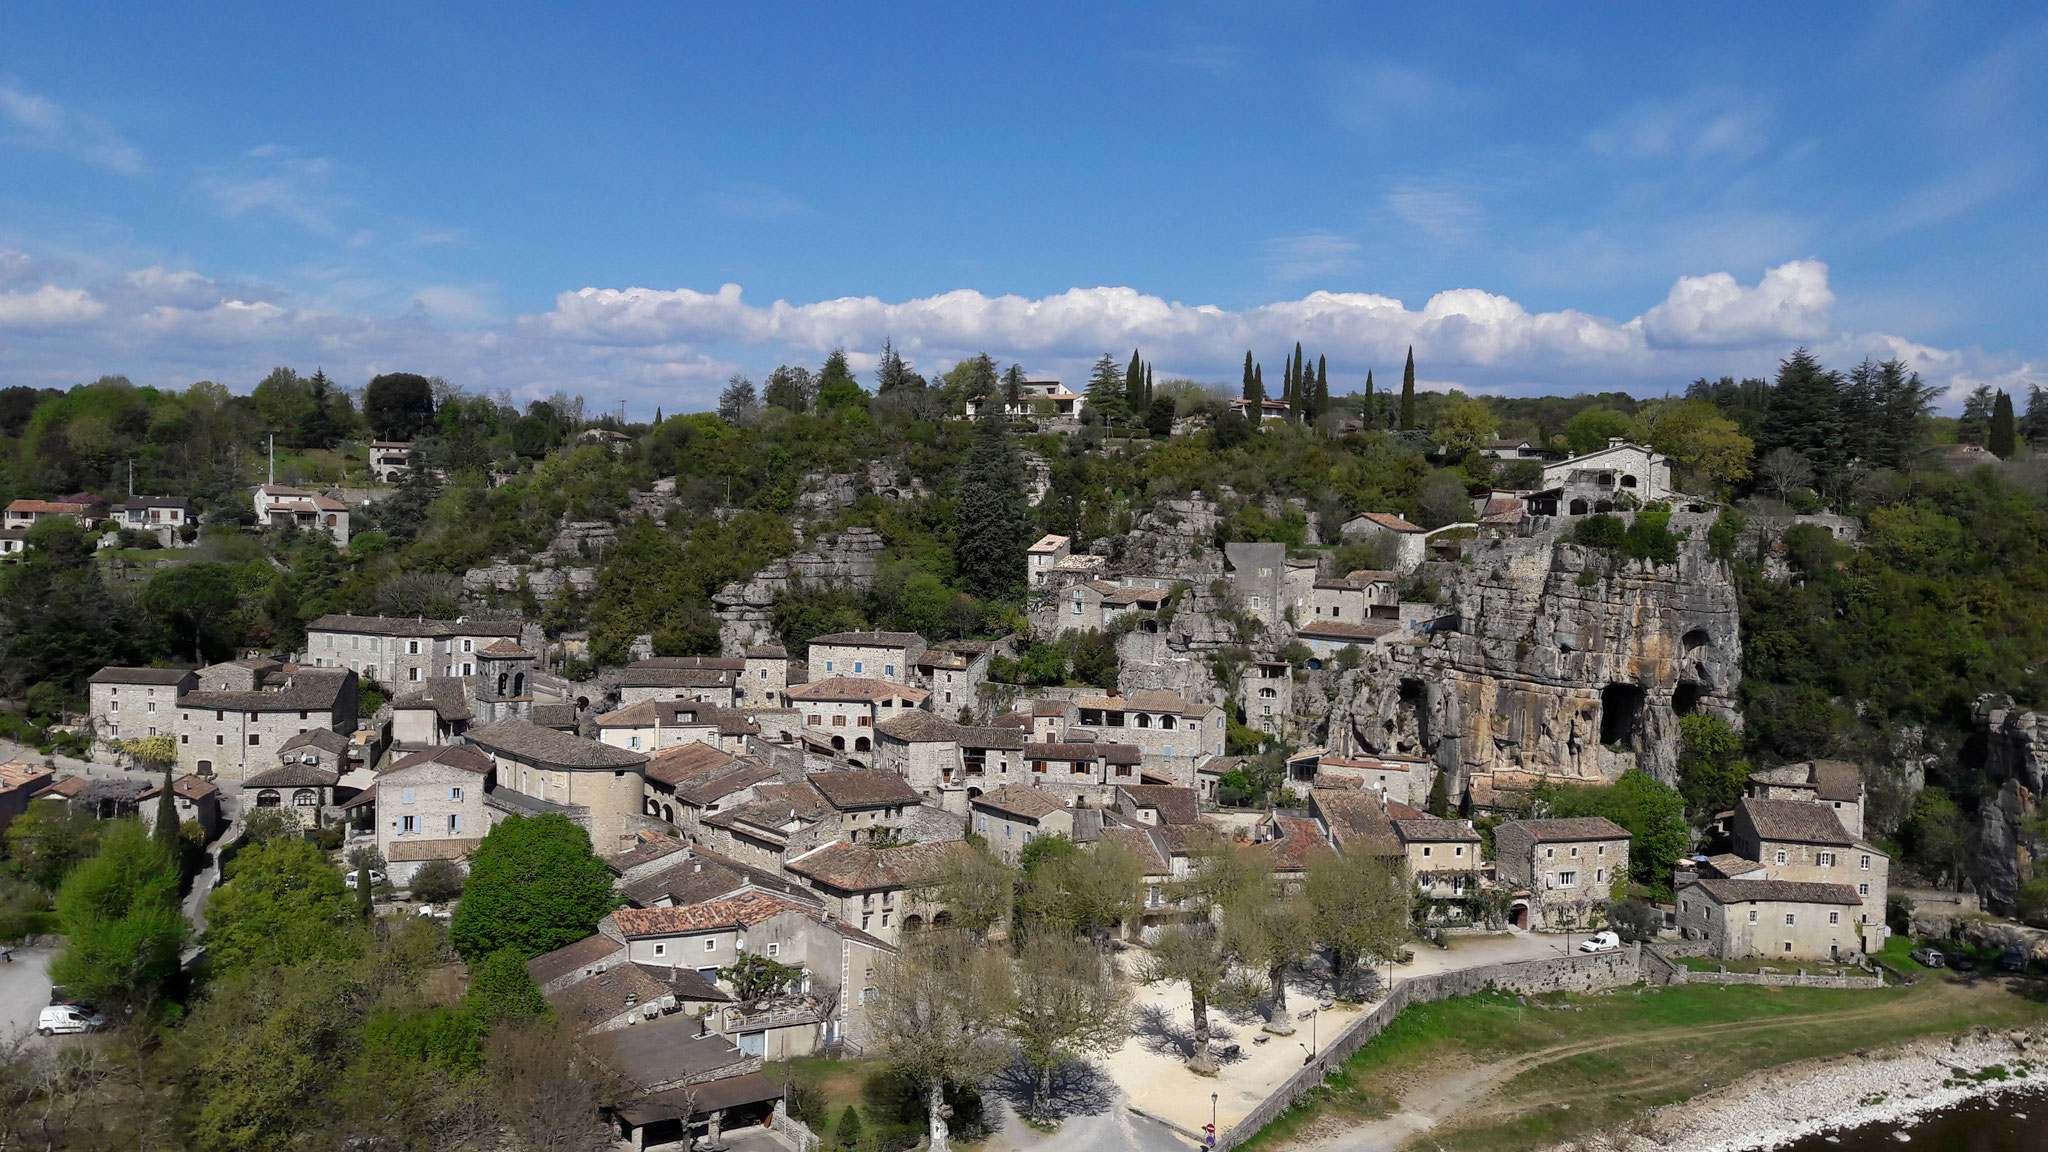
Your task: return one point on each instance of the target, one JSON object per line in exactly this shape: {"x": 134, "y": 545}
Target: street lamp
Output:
{"x": 1212, "y": 1119}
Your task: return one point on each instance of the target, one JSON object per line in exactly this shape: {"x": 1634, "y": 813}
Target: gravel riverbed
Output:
{"x": 1776, "y": 1106}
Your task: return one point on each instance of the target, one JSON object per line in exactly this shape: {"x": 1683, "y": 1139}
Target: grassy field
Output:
{"x": 1557, "y": 1067}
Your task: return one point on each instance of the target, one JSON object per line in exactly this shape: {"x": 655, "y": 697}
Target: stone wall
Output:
{"x": 1577, "y": 973}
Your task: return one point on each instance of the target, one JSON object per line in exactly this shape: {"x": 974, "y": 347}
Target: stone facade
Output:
{"x": 236, "y": 734}
{"x": 398, "y": 652}
{"x": 1567, "y": 867}
{"x": 126, "y": 703}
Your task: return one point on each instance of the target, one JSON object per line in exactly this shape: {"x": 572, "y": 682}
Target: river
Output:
{"x": 2009, "y": 1122}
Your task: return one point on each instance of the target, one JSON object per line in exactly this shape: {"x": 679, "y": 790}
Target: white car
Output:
{"x": 377, "y": 879}
{"x": 1601, "y": 942}
{"x": 60, "y": 1018}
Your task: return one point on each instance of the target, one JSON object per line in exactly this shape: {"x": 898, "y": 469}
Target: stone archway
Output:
{"x": 1519, "y": 915}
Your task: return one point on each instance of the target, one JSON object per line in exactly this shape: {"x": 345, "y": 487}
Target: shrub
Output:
{"x": 437, "y": 882}
{"x": 1600, "y": 531}
{"x": 1634, "y": 921}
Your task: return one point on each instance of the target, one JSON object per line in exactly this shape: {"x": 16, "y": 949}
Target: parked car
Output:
{"x": 2013, "y": 960}
{"x": 377, "y": 879}
{"x": 64, "y": 1018}
{"x": 1601, "y": 942}
{"x": 1929, "y": 957}
{"x": 1962, "y": 964}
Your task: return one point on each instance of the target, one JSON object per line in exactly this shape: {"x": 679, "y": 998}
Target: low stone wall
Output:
{"x": 1658, "y": 968}
{"x": 795, "y": 1130}
{"x": 1577, "y": 973}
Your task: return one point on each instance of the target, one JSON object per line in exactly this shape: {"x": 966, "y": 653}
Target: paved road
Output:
{"x": 24, "y": 993}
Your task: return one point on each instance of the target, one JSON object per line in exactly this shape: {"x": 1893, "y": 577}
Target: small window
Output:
{"x": 774, "y": 949}
{"x": 1601, "y": 851}
{"x": 1550, "y": 853}
{"x": 1863, "y": 890}
{"x": 1781, "y": 856}
{"x": 455, "y": 795}
{"x": 408, "y": 795}
{"x": 1834, "y": 917}
{"x": 661, "y": 949}
{"x": 1788, "y": 946}
{"x": 1425, "y": 851}
{"x": 407, "y": 825}
{"x": 1459, "y": 851}
{"x": 254, "y": 739}
{"x": 1752, "y": 915}
{"x": 711, "y": 945}
{"x": 1827, "y": 859}
{"x": 888, "y": 669}
{"x": 1866, "y": 863}
{"x": 1790, "y": 919}
{"x": 454, "y": 822}
{"x": 1575, "y": 851}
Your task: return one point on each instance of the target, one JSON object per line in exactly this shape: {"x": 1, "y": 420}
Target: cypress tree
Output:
{"x": 2003, "y": 433}
{"x": 989, "y": 525}
{"x": 1134, "y": 384}
{"x": 1372, "y": 415}
{"x": 1408, "y": 391}
{"x": 167, "y": 813}
{"x": 1322, "y": 387}
{"x": 1248, "y": 385}
{"x": 1258, "y": 411}
{"x": 1148, "y": 386}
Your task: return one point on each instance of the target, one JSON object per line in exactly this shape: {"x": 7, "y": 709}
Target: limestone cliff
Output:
{"x": 1550, "y": 660}
{"x": 745, "y": 607}
{"x": 2016, "y": 755}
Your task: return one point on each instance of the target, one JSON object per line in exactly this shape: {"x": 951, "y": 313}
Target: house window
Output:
{"x": 1567, "y": 879}
{"x": 407, "y": 826}
{"x": 412, "y": 674}
{"x": 454, "y": 822}
{"x": 888, "y": 669}
{"x": 885, "y": 917}
{"x": 828, "y": 665}
{"x": 219, "y": 740}
{"x": 1827, "y": 859}
{"x": 1834, "y": 917}
{"x": 633, "y": 742}
{"x": 1077, "y": 607}
{"x": 455, "y": 795}
{"x": 1599, "y": 875}
{"x": 813, "y": 721}
{"x": 1788, "y": 945}
{"x": 1781, "y": 856}
{"x": 839, "y": 721}
{"x": 1459, "y": 851}
{"x": 711, "y": 945}
{"x": 1575, "y": 852}
{"x": 468, "y": 646}
{"x": 412, "y": 647}
{"x": 1550, "y": 853}
{"x": 1790, "y": 919}
{"x": 1425, "y": 851}
{"x": 254, "y": 739}
{"x": 1863, "y": 890}
{"x": 1600, "y": 851}
{"x": 1866, "y": 863}
{"x": 1752, "y": 915}
{"x": 661, "y": 949}
{"x": 858, "y": 667}
{"x": 408, "y": 795}
{"x": 183, "y": 738}
{"x": 980, "y": 823}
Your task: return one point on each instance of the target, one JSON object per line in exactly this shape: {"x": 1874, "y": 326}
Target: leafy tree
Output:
{"x": 937, "y": 1014}
{"x": 1359, "y": 908}
{"x": 1408, "y": 391}
{"x": 1462, "y": 425}
{"x": 1974, "y": 425}
{"x": 737, "y": 405}
{"x": 789, "y": 388}
{"x": 547, "y": 1090}
{"x": 757, "y": 977}
{"x": 837, "y": 387}
{"x": 1653, "y": 813}
{"x": 1106, "y": 391}
{"x": 1441, "y": 500}
{"x": 975, "y": 885}
{"x": 1710, "y": 776}
{"x": 1067, "y": 1004}
{"x": 990, "y": 524}
{"x": 534, "y": 886}
{"x": 1440, "y": 796}
{"x": 437, "y": 882}
{"x": 1270, "y": 932}
{"x": 1942, "y": 837}
{"x": 1635, "y": 921}
{"x": 282, "y": 903}
{"x": 398, "y": 405}
{"x": 46, "y": 841}
{"x": 500, "y": 989}
{"x": 1592, "y": 428}
{"x": 1159, "y": 417}
{"x": 1066, "y": 891}
{"x": 122, "y": 928}
{"x": 1191, "y": 954}
{"x": 1698, "y": 439}
{"x": 266, "y": 824}
{"x": 196, "y": 603}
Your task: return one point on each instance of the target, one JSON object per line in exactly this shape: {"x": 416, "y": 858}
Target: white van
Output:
{"x": 1601, "y": 942}
{"x": 59, "y": 1018}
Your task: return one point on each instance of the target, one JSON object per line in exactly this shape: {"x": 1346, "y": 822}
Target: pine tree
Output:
{"x": 1805, "y": 414}
{"x": 1974, "y": 426}
{"x": 1408, "y": 391}
{"x": 1439, "y": 803}
{"x": 1106, "y": 391}
{"x": 2004, "y": 436}
{"x": 1903, "y": 404}
{"x": 989, "y": 524}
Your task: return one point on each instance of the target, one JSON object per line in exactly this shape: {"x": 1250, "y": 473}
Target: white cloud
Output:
{"x": 280, "y": 183}
{"x": 1311, "y": 255}
{"x": 48, "y": 307}
{"x": 1791, "y": 303}
{"x": 40, "y": 122}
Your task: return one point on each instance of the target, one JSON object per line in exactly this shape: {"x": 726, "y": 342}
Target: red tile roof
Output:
{"x": 742, "y": 911}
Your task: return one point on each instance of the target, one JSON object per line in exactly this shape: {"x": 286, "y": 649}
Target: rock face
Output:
{"x": 2015, "y": 753}
{"x": 1174, "y": 540}
{"x": 827, "y": 493}
{"x": 846, "y": 559}
{"x": 569, "y": 562}
{"x": 1551, "y": 660}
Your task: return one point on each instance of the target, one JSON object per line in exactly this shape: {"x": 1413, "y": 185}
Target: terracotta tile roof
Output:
{"x": 1048, "y": 708}
{"x": 1729, "y": 866}
{"x": 324, "y": 739}
{"x": 851, "y": 688}
{"x": 650, "y": 847}
{"x": 852, "y": 869}
{"x": 849, "y": 791}
{"x": 294, "y": 776}
{"x": 446, "y": 695}
{"x": 708, "y": 876}
{"x": 1837, "y": 780}
{"x": 1018, "y": 800}
{"x": 194, "y": 788}
{"x": 47, "y": 507}
{"x": 1109, "y": 753}
{"x": 558, "y": 716}
{"x": 686, "y": 762}
{"x": 1797, "y": 821}
{"x": 1389, "y": 520}
{"x": 1151, "y": 853}
{"x": 1048, "y": 543}
{"x": 592, "y": 950}
{"x": 743, "y": 911}
{"x": 506, "y": 649}
{"x": 919, "y": 727}
{"x": 1357, "y": 818}
{"x": 870, "y": 639}
{"x": 404, "y": 850}
{"x": 1175, "y": 805}
{"x": 1300, "y": 838}
{"x": 677, "y": 678}
{"x": 1787, "y": 891}
{"x": 398, "y": 626}
{"x": 630, "y": 987}
{"x": 16, "y": 773}
{"x": 767, "y": 652}
{"x": 1573, "y": 828}
{"x": 712, "y": 789}
{"x": 527, "y": 741}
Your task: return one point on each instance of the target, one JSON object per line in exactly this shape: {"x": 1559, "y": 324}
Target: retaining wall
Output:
{"x": 1659, "y": 969}
{"x": 1577, "y": 973}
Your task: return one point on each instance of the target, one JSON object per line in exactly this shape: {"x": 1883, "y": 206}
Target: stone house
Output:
{"x": 306, "y": 789}
{"x": 1158, "y": 804}
{"x": 1775, "y": 919}
{"x": 887, "y": 656}
{"x": 195, "y": 800}
{"x": 710, "y": 794}
{"x": 1079, "y": 773}
{"x": 844, "y": 710}
{"x": 428, "y": 806}
{"x": 1173, "y": 733}
{"x": 325, "y": 748}
{"x": 1837, "y": 784}
{"x": 837, "y": 960}
{"x": 21, "y": 782}
{"x": 1564, "y": 869}
{"x": 602, "y": 787}
{"x": 688, "y": 1085}
{"x": 954, "y": 675}
{"x": 1094, "y": 605}
{"x": 867, "y": 805}
{"x": 1329, "y": 639}
{"x": 653, "y": 725}
{"x": 280, "y": 507}
{"x": 715, "y": 679}
{"x": 1350, "y": 598}
{"x": 591, "y": 956}
{"x": 389, "y": 460}
{"x": 1408, "y": 540}
{"x": 626, "y": 995}
{"x": 1402, "y": 779}
{"x": 923, "y": 749}
{"x": 236, "y": 733}
{"x": 1266, "y": 694}
{"x": 876, "y": 889}
{"x": 1015, "y": 814}
{"x": 1598, "y": 481}
{"x": 397, "y": 651}
{"x": 126, "y": 703}
{"x": 676, "y": 873}
{"x": 1355, "y": 819}
{"x": 1443, "y": 856}
{"x": 1804, "y": 842}
{"x": 764, "y": 678}
{"x": 1042, "y": 557}
{"x": 1259, "y": 572}
{"x": 677, "y": 767}
{"x": 431, "y": 713}
{"x": 101, "y": 798}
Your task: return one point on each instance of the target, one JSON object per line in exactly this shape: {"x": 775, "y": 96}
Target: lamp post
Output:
{"x": 1212, "y": 1120}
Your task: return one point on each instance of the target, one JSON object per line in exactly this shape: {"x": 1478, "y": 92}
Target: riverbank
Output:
{"x": 1778, "y": 1106}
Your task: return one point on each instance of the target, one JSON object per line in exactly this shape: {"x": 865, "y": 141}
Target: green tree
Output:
{"x": 1067, "y": 1005}
{"x": 1068, "y": 891}
{"x": 1806, "y": 413}
{"x": 1190, "y": 954}
{"x": 281, "y": 903}
{"x": 1462, "y": 425}
{"x": 119, "y": 914}
{"x": 837, "y": 387}
{"x": 1653, "y": 813}
{"x": 990, "y": 525}
{"x": 1441, "y": 500}
{"x": 936, "y": 1015}
{"x": 756, "y": 977}
{"x": 437, "y": 882}
{"x": 1408, "y": 390}
{"x": 1943, "y": 839}
{"x": 1698, "y": 439}
{"x": 1440, "y": 796}
{"x": 848, "y": 1133}
{"x": 500, "y": 988}
{"x": 1254, "y": 389}
{"x": 534, "y": 886}
{"x": 1591, "y": 428}
{"x": 46, "y": 841}
{"x": 2004, "y": 438}
{"x": 398, "y": 405}
{"x": 1134, "y": 386}
{"x": 1710, "y": 776}
{"x": 1106, "y": 391}
{"x": 1359, "y": 908}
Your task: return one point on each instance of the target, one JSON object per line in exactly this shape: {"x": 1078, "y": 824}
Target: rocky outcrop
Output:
{"x": 1551, "y": 660}
{"x": 1175, "y": 540}
{"x": 827, "y": 493}
{"x": 2016, "y": 755}
{"x": 569, "y": 562}
{"x": 746, "y": 607}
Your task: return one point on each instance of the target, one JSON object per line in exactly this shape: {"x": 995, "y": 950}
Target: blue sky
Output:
{"x": 635, "y": 201}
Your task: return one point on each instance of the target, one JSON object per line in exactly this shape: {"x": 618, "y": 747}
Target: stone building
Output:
{"x": 306, "y": 789}
{"x": 844, "y": 710}
{"x": 1408, "y": 541}
{"x": 599, "y": 786}
{"x": 1442, "y": 855}
{"x": 126, "y": 703}
{"x": 428, "y": 805}
{"x": 1016, "y": 814}
{"x": 195, "y": 801}
{"x": 1835, "y": 783}
{"x": 236, "y": 733}
{"x": 1564, "y": 870}
{"x": 1772, "y": 919}
{"x": 889, "y": 656}
{"x": 715, "y": 679}
{"x": 876, "y": 889}
{"x": 1044, "y": 556}
{"x": 1599, "y": 480}
{"x": 1803, "y": 841}
{"x": 653, "y": 725}
{"x": 399, "y": 652}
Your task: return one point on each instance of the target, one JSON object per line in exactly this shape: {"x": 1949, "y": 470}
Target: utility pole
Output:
{"x": 273, "y": 459}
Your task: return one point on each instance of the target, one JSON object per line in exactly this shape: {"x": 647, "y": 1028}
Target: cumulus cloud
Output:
{"x": 673, "y": 347}
{"x": 38, "y": 121}
{"x": 1791, "y": 303}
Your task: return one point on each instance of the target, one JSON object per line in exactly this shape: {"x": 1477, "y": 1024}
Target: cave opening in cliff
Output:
{"x": 1414, "y": 703}
{"x": 1686, "y": 700}
{"x": 1621, "y": 713}
{"x": 1696, "y": 640}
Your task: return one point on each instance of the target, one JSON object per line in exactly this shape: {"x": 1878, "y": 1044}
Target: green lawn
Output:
{"x": 1609, "y": 1057}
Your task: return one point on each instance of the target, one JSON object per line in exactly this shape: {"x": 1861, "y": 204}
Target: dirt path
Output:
{"x": 1462, "y": 1090}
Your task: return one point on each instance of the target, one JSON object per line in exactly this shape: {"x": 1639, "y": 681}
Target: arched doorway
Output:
{"x": 860, "y": 743}
{"x": 1519, "y": 916}
{"x": 839, "y": 743}
{"x": 942, "y": 920}
{"x": 913, "y": 923}
{"x": 268, "y": 798}
{"x": 1578, "y": 507}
